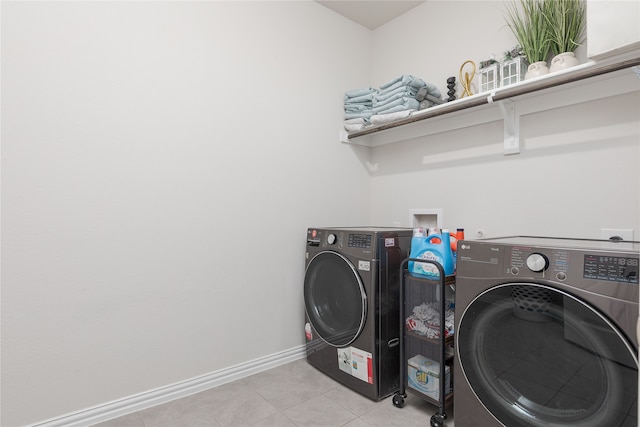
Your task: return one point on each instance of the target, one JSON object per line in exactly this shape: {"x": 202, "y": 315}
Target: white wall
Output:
{"x": 160, "y": 164}
{"x": 578, "y": 169}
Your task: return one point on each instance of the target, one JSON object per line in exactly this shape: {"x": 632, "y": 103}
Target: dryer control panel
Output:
{"x": 548, "y": 262}
{"x": 611, "y": 268}
{"x": 601, "y": 267}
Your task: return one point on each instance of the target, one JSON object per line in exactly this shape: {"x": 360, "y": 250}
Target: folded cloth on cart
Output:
{"x": 425, "y": 320}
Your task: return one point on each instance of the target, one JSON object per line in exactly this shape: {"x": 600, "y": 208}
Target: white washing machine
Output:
{"x": 546, "y": 333}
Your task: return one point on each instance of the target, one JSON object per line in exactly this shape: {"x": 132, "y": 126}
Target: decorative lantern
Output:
{"x": 489, "y": 77}
{"x": 512, "y": 71}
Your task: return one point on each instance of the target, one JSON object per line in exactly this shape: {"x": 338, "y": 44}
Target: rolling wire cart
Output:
{"x": 426, "y": 345}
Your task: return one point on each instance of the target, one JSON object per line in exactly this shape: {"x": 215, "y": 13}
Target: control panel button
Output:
{"x": 537, "y": 262}
{"x": 515, "y": 271}
{"x": 562, "y": 276}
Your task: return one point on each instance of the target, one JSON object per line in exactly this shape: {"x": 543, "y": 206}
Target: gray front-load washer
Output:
{"x": 546, "y": 333}
{"x": 352, "y": 302}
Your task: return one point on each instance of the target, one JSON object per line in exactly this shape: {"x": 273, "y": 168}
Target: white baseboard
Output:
{"x": 161, "y": 395}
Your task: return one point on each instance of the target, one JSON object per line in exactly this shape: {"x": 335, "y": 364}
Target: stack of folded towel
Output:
{"x": 394, "y": 100}
{"x": 358, "y": 105}
{"x": 397, "y": 95}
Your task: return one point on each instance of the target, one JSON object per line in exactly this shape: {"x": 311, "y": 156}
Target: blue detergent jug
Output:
{"x": 424, "y": 248}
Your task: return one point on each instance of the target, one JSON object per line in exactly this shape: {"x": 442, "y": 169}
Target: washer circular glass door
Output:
{"x": 537, "y": 356}
{"x": 334, "y": 298}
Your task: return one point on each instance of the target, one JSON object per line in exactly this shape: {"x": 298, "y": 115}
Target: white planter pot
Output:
{"x": 562, "y": 61}
{"x": 536, "y": 69}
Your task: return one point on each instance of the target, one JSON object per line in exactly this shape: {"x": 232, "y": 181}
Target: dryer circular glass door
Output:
{"x": 334, "y": 298}
{"x": 537, "y": 356}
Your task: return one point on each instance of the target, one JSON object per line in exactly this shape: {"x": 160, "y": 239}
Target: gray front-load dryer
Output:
{"x": 351, "y": 296}
{"x": 546, "y": 333}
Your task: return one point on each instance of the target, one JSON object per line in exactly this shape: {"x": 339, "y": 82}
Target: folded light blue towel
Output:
{"x": 359, "y": 92}
{"x": 381, "y": 96}
{"x": 396, "y": 109}
{"x": 404, "y": 91}
{"x": 433, "y": 90}
{"x": 407, "y": 103}
{"x": 360, "y": 99}
{"x": 396, "y": 94}
{"x": 404, "y": 80}
{"x": 352, "y": 108}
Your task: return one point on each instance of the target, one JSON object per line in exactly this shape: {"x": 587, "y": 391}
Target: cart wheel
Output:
{"x": 398, "y": 400}
{"x": 437, "y": 420}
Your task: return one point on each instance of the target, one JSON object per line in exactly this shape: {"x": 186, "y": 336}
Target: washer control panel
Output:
{"x": 360, "y": 240}
{"x": 335, "y": 239}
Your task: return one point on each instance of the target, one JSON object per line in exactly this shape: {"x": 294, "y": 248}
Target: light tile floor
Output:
{"x": 294, "y": 394}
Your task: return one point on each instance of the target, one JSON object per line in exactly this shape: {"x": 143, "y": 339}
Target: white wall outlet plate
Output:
{"x": 624, "y": 233}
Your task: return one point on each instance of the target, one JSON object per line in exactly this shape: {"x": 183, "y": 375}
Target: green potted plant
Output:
{"x": 566, "y": 23}
{"x": 527, "y": 20}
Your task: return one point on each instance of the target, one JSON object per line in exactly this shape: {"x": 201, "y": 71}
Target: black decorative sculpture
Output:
{"x": 451, "y": 85}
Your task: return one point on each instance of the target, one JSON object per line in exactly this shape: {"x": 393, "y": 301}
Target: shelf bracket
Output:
{"x": 511, "y": 125}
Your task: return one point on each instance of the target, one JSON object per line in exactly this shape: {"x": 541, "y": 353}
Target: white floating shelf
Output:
{"x": 586, "y": 82}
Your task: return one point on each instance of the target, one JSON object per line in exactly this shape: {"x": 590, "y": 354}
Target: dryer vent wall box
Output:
{"x": 425, "y": 218}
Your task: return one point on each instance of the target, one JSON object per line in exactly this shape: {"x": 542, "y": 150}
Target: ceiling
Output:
{"x": 370, "y": 14}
